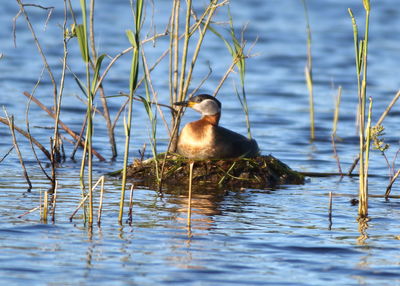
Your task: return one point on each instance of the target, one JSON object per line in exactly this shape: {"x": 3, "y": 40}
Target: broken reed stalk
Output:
{"x": 308, "y": 72}
{"x": 32, "y": 143}
{"x": 53, "y": 210}
{"x": 38, "y": 45}
{"x": 330, "y": 211}
{"x": 28, "y": 212}
{"x": 388, "y": 108}
{"x": 45, "y": 209}
{"x": 16, "y": 147}
{"x": 28, "y": 136}
{"x": 189, "y": 209}
{"x": 130, "y": 213}
{"x": 100, "y": 180}
{"x": 379, "y": 122}
{"x": 8, "y": 153}
{"x": 100, "y": 210}
{"x": 62, "y": 125}
{"x": 389, "y": 187}
{"x": 134, "y": 39}
{"x": 334, "y": 128}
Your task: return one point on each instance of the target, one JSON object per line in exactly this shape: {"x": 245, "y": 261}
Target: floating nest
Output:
{"x": 262, "y": 172}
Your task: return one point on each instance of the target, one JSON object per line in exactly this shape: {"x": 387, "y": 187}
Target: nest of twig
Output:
{"x": 262, "y": 172}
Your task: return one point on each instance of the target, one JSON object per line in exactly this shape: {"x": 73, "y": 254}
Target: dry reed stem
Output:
{"x": 389, "y": 187}
{"x": 28, "y": 212}
{"x": 63, "y": 125}
{"x": 130, "y": 212}
{"x": 388, "y": 108}
{"x": 28, "y": 136}
{"x": 31, "y": 143}
{"x": 45, "y": 207}
{"x": 8, "y": 153}
{"x": 330, "y": 211}
{"x": 379, "y": 122}
{"x": 189, "y": 209}
{"x": 99, "y": 212}
{"x": 53, "y": 213}
{"x": 22, "y": 10}
{"x": 16, "y": 147}
{"x": 85, "y": 198}
{"x": 308, "y": 72}
{"x": 153, "y": 92}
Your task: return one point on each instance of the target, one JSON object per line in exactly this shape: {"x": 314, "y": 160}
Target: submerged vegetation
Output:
{"x": 185, "y": 34}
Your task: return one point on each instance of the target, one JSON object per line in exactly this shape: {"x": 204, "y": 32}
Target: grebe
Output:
{"x": 204, "y": 139}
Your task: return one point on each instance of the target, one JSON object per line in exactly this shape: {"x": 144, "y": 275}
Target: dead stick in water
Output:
{"x": 27, "y": 135}
{"x": 389, "y": 187}
{"x": 28, "y": 212}
{"x": 189, "y": 211}
{"x": 101, "y": 201}
{"x": 383, "y": 116}
{"x": 130, "y": 213}
{"x": 330, "y": 211}
{"x": 63, "y": 125}
{"x": 53, "y": 213}
{"x": 16, "y": 147}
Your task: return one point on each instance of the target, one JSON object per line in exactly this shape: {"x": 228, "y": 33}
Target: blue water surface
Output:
{"x": 247, "y": 237}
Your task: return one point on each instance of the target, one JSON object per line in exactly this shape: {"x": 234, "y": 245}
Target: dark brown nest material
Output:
{"x": 262, "y": 172}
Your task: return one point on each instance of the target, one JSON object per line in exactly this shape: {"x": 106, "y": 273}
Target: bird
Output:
{"x": 205, "y": 139}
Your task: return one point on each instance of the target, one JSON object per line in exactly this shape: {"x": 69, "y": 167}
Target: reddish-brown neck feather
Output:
{"x": 212, "y": 119}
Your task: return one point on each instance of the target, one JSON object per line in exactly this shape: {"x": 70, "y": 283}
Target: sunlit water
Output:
{"x": 251, "y": 237}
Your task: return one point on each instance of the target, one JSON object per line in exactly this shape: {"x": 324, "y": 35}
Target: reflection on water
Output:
{"x": 248, "y": 237}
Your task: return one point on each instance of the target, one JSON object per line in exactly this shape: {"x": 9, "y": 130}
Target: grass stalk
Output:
{"x": 361, "y": 55}
{"x": 45, "y": 207}
{"x": 63, "y": 126}
{"x": 334, "y": 128}
{"x": 100, "y": 210}
{"x": 130, "y": 213}
{"x": 16, "y": 147}
{"x": 54, "y": 203}
{"x": 152, "y": 115}
{"x": 308, "y": 72}
{"x": 330, "y": 211}
{"x": 28, "y": 136}
{"x": 83, "y": 200}
{"x": 363, "y": 195}
{"x": 82, "y": 35}
{"x": 364, "y": 153}
{"x": 134, "y": 39}
{"x": 189, "y": 209}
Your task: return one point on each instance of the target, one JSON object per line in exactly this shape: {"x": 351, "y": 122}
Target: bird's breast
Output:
{"x": 196, "y": 140}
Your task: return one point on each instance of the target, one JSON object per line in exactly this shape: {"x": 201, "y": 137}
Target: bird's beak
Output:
{"x": 185, "y": 103}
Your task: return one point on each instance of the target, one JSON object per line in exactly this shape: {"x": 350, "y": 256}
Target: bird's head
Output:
{"x": 203, "y": 103}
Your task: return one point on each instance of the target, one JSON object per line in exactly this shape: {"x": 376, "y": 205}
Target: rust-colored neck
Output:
{"x": 212, "y": 119}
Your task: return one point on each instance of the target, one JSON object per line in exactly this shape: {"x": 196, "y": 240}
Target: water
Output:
{"x": 251, "y": 237}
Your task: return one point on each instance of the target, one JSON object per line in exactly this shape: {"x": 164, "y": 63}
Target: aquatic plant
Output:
{"x": 334, "y": 127}
{"x": 134, "y": 39}
{"x": 361, "y": 55}
{"x": 308, "y": 73}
